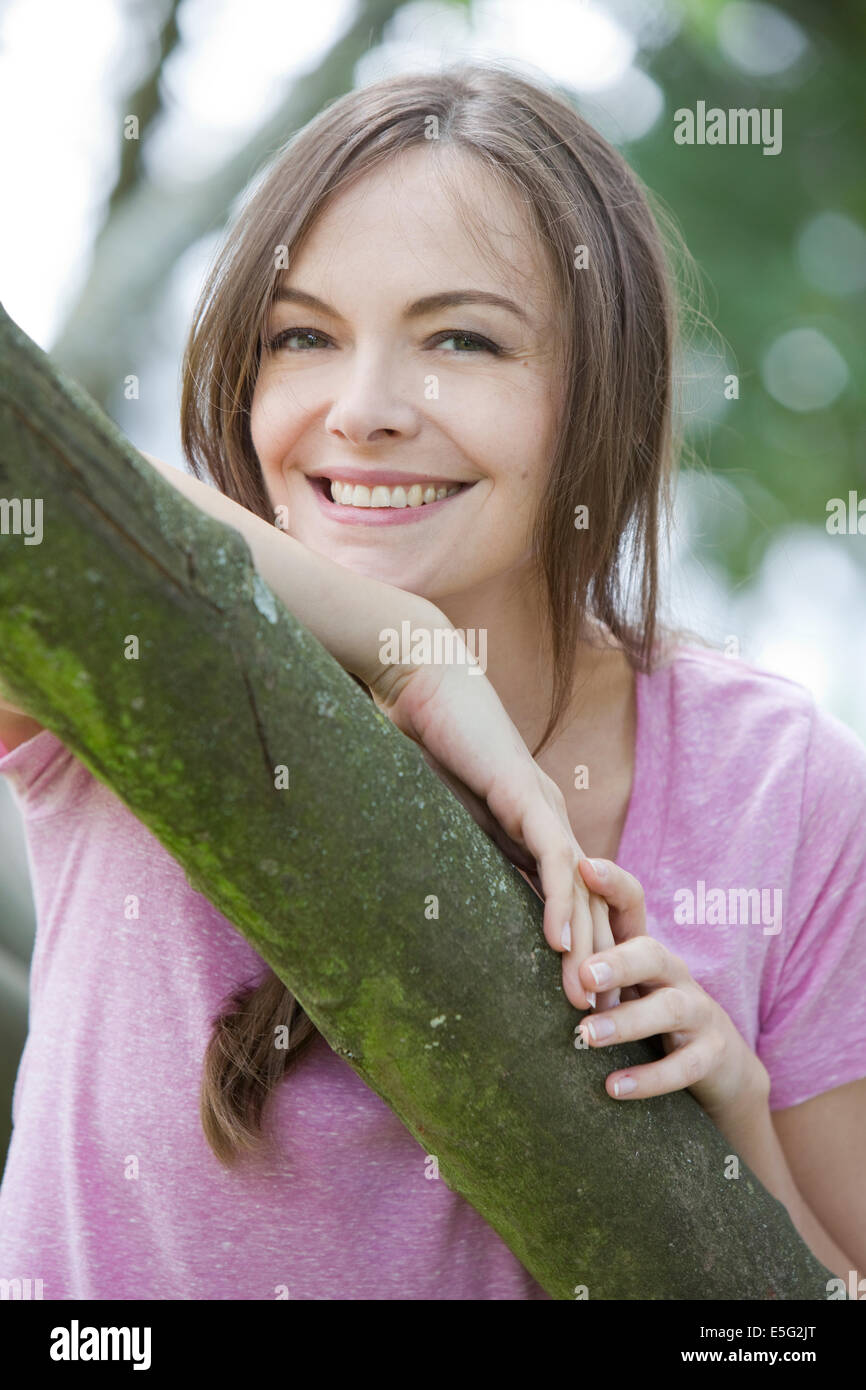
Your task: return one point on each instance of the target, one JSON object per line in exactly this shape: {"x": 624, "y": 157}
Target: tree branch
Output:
{"x": 144, "y": 102}
{"x": 459, "y": 1023}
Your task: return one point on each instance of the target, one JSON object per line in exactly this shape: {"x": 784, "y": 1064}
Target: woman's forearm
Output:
{"x": 750, "y": 1132}
{"x": 345, "y": 611}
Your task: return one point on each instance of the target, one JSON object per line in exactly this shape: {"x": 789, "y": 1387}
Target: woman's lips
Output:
{"x": 375, "y": 516}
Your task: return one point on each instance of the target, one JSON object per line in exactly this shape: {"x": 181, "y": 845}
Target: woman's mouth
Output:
{"x": 347, "y": 501}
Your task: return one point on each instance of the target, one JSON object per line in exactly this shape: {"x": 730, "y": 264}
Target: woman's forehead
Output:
{"x": 444, "y": 212}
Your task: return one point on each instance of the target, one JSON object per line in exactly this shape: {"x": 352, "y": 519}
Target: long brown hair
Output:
{"x": 615, "y": 452}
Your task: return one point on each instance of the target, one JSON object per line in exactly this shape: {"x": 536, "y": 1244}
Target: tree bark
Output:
{"x": 458, "y": 1021}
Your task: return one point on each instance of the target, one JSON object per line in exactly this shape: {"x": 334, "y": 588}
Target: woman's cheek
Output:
{"x": 270, "y": 417}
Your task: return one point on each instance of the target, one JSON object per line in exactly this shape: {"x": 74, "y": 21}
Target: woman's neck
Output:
{"x": 510, "y": 619}
{"x": 597, "y": 730}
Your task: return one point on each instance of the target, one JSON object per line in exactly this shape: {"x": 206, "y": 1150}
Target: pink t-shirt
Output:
{"x": 110, "y": 1190}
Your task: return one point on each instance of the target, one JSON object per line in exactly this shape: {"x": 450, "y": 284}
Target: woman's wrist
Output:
{"x": 749, "y": 1101}
{"x": 361, "y": 621}
{"x": 398, "y": 624}
{"x": 747, "y": 1125}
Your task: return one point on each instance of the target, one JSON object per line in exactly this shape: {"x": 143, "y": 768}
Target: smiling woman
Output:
{"x": 434, "y": 428}
{"x": 482, "y": 358}
{"x": 520, "y": 347}
{"x": 423, "y": 358}
{"x": 436, "y": 408}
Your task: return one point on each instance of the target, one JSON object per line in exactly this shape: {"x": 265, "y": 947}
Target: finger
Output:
{"x": 623, "y": 893}
{"x": 641, "y": 961}
{"x": 556, "y": 854}
{"x": 664, "y": 1011}
{"x": 557, "y": 871}
{"x": 677, "y": 1072}
{"x": 583, "y": 935}
{"x": 568, "y": 922}
{"x": 627, "y": 910}
{"x": 602, "y": 939}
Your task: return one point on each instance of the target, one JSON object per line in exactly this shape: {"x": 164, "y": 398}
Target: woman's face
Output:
{"x": 381, "y": 392}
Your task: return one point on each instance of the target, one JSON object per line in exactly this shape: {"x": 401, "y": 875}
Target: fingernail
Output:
{"x": 623, "y": 1086}
{"x": 600, "y": 867}
{"x": 601, "y": 1027}
{"x": 590, "y": 1000}
{"x": 566, "y": 937}
{"x": 601, "y": 973}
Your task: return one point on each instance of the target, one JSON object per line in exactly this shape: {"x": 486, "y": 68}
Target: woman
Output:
{"x": 437, "y": 351}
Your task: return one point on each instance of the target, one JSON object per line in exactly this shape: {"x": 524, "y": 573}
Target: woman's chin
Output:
{"x": 371, "y": 566}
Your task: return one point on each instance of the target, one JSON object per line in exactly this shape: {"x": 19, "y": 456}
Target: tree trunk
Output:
{"x": 458, "y": 1021}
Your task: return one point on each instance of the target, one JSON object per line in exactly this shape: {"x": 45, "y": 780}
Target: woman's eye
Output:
{"x": 479, "y": 344}
{"x": 283, "y": 339}
{"x": 309, "y": 338}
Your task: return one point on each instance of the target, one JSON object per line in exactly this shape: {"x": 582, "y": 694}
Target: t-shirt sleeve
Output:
{"x": 813, "y": 1014}
{"x": 44, "y": 776}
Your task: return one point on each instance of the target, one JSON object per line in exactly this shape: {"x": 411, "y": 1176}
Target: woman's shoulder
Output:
{"x": 721, "y": 710}
{"x": 44, "y": 775}
{"x": 724, "y": 679}
{"x": 727, "y": 698}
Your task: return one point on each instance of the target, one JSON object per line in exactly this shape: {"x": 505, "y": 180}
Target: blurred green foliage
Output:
{"x": 742, "y": 214}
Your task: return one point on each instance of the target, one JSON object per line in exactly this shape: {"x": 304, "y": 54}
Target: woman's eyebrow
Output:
{"x": 428, "y": 305}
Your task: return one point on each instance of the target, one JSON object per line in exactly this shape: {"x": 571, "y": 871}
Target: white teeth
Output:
{"x": 357, "y": 495}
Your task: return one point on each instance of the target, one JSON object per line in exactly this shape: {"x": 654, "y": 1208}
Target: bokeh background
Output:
{"x": 105, "y": 241}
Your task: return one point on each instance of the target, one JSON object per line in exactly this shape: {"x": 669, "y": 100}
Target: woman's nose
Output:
{"x": 373, "y": 400}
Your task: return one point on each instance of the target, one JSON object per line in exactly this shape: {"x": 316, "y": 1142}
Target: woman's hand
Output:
{"x": 468, "y": 739}
{"x": 706, "y": 1053}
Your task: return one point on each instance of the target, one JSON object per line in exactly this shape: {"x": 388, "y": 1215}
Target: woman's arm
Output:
{"x": 451, "y": 710}
{"x": 345, "y": 611}
{"x": 824, "y": 1140}
{"x": 749, "y": 1129}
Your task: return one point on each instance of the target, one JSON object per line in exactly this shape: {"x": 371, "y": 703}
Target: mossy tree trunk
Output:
{"x": 458, "y": 1020}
